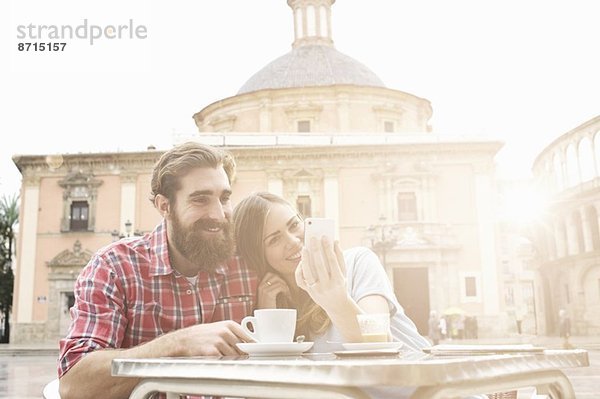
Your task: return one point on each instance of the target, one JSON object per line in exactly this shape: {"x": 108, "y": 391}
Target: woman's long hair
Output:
{"x": 249, "y": 218}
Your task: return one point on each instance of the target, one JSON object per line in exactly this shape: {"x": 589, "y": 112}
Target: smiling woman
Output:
{"x": 328, "y": 287}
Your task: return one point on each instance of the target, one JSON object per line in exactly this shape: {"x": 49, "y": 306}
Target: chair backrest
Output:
{"x": 51, "y": 390}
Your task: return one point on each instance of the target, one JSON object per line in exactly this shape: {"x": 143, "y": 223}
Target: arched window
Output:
{"x": 586, "y": 160}
{"x": 558, "y": 173}
{"x": 572, "y": 166}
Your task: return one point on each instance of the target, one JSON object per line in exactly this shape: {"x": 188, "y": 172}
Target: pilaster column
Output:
{"x": 343, "y": 112}
{"x": 332, "y": 197}
{"x": 275, "y": 183}
{"x": 586, "y": 228}
{"x": 571, "y": 233}
{"x": 27, "y": 249}
{"x": 265, "y": 116}
{"x": 128, "y": 197}
{"x": 560, "y": 238}
{"x": 484, "y": 200}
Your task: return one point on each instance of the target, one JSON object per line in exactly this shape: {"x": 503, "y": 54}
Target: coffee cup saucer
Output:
{"x": 274, "y": 348}
{"x": 363, "y": 346}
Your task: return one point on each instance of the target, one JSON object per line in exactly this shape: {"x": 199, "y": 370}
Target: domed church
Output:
{"x": 319, "y": 128}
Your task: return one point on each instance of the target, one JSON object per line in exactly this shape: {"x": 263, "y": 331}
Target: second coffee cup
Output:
{"x": 271, "y": 325}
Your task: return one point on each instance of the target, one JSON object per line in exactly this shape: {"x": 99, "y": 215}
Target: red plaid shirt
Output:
{"x": 129, "y": 294}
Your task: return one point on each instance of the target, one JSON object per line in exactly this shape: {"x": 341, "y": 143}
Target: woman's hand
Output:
{"x": 269, "y": 287}
{"x": 322, "y": 273}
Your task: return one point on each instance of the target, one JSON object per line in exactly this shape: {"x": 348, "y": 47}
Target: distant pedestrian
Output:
{"x": 434, "y": 328}
{"x": 519, "y": 316}
{"x": 564, "y": 328}
{"x": 443, "y": 326}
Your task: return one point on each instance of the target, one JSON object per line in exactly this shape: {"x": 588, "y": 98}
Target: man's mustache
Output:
{"x": 207, "y": 223}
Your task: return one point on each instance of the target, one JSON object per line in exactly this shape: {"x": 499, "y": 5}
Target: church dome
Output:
{"x": 311, "y": 65}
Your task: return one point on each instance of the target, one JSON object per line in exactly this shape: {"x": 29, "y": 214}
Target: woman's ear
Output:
{"x": 163, "y": 205}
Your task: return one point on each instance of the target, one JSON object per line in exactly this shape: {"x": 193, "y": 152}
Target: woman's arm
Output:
{"x": 322, "y": 275}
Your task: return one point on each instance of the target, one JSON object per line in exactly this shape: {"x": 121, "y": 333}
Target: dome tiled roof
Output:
{"x": 311, "y": 65}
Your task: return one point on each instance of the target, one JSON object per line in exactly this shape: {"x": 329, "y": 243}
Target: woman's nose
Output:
{"x": 293, "y": 239}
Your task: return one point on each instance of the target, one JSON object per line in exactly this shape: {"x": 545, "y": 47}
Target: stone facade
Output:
{"x": 338, "y": 146}
{"x": 568, "y": 238}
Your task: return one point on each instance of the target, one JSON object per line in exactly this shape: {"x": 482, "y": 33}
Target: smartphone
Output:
{"x": 319, "y": 227}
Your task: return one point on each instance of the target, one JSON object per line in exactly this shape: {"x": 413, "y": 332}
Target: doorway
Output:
{"x": 67, "y": 302}
{"x": 411, "y": 286}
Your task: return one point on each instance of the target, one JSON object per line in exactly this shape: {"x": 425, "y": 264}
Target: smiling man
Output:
{"x": 177, "y": 291}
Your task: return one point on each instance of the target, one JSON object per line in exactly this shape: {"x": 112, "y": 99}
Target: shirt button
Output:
{"x": 189, "y": 292}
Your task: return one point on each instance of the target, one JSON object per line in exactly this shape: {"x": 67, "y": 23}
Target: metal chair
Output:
{"x": 51, "y": 390}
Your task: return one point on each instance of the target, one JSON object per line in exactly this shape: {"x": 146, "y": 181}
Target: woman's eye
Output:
{"x": 273, "y": 240}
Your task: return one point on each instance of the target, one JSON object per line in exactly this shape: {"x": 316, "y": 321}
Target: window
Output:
{"x": 303, "y": 204}
{"x": 509, "y": 296}
{"x": 407, "y": 207}
{"x": 80, "y": 193}
{"x": 389, "y": 127}
{"x": 470, "y": 287}
{"x": 303, "y": 126}
{"x": 79, "y": 215}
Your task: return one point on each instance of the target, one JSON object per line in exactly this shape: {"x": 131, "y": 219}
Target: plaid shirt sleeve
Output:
{"x": 98, "y": 315}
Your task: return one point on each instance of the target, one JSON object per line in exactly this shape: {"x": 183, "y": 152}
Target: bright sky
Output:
{"x": 523, "y": 72}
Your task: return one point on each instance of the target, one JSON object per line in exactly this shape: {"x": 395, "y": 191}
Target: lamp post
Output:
{"x": 117, "y": 236}
{"x": 128, "y": 228}
{"x": 383, "y": 238}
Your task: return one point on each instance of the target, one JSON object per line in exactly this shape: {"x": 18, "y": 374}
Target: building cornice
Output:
{"x": 110, "y": 163}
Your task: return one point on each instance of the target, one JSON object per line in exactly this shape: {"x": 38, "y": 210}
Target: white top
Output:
{"x": 366, "y": 276}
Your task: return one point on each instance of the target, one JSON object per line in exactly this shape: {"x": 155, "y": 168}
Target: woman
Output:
{"x": 327, "y": 287}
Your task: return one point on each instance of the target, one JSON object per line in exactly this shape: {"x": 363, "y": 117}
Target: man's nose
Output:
{"x": 217, "y": 211}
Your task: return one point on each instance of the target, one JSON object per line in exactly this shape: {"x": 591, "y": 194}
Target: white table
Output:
{"x": 326, "y": 376}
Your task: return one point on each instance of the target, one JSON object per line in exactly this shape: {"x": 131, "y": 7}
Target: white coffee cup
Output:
{"x": 271, "y": 325}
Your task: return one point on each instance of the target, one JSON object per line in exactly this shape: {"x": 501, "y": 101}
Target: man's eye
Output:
{"x": 225, "y": 200}
{"x": 294, "y": 225}
{"x": 200, "y": 200}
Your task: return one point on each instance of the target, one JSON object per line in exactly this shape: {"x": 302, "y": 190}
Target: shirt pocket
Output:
{"x": 234, "y": 307}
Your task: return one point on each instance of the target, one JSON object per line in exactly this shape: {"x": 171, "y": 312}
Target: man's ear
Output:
{"x": 162, "y": 204}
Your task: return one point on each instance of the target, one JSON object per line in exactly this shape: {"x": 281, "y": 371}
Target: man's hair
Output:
{"x": 179, "y": 160}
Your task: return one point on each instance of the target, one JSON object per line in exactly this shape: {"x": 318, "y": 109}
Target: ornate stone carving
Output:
{"x": 75, "y": 258}
{"x": 303, "y": 111}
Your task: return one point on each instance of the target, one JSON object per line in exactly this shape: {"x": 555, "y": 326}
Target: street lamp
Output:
{"x": 383, "y": 238}
{"x": 116, "y": 235}
{"x": 128, "y": 228}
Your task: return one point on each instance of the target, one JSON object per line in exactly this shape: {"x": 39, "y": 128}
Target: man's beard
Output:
{"x": 206, "y": 253}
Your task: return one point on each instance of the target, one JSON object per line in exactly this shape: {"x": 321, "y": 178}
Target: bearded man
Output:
{"x": 177, "y": 291}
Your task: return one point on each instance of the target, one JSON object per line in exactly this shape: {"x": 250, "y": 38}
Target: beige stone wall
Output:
{"x": 330, "y": 109}
{"x": 367, "y": 180}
